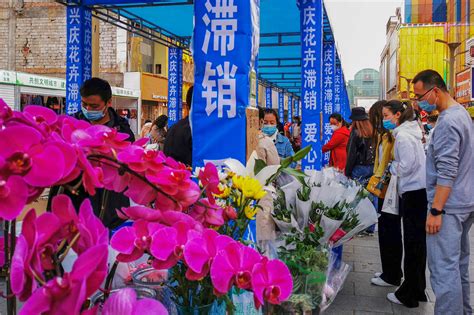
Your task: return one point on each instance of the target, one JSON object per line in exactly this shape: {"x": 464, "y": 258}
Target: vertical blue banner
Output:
{"x": 78, "y": 54}
{"x": 268, "y": 97}
{"x": 281, "y": 106}
{"x": 296, "y": 111}
{"x": 290, "y": 108}
{"x": 337, "y": 88}
{"x": 175, "y": 85}
{"x": 311, "y": 18}
{"x": 345, "y": 105}
{"x": 224, "y": 39}
{"x": 328, "y": 93}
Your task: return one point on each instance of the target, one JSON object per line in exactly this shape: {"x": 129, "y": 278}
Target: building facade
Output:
{"x": 366, "y": 85}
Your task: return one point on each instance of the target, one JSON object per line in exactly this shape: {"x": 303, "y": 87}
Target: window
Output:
{"x": 158, "y": 68}
{"x": 149, "y": 68}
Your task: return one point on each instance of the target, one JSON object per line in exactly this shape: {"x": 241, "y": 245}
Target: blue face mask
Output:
{"x": 427, "y": 107}
{"x": 389, "y": 125}
{"x": 93, "y": 115}
{"x": 269, "y": 130}
{"x": 429, "y": 126}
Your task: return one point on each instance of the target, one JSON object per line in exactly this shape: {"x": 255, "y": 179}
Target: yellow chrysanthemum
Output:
{"x": 225, "y": 192}
{"x": 237, "y": 181}
{"x": 252, "y": 189}
{"x": 250, "y": 212}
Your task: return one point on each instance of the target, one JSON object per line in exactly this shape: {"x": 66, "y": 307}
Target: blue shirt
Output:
{"x": 284, "y": 148}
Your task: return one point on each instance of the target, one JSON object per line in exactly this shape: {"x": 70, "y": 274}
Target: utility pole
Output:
{"x": 452, "y": 57}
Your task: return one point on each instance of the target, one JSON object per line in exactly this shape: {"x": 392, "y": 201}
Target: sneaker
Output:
{"x": 392, "y": 298}
{"x": 377, "y": 274}
{"x": 379, "y": 282}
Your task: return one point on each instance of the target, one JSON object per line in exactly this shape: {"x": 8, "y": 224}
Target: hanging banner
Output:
{"x": 78, "y": 54}
{"x": 290, "y": 108}
{"x": 281, "y": 107}
{"x": 268, "y": 97}
{"x": 225, "y": 36}
{"x": 337, "y": 88}
{"x": 328, "y": 93}
{"x": 175, "y": 85}
{"x": 296, "y": 110}
{"x": 311, "y": 18}
{"x": 345, "y": 105}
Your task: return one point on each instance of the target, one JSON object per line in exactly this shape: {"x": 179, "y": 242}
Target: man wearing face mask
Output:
{"x": 450, "y": 186}
{"x": 270, "y": 129}
{"x": 96, "y": 97}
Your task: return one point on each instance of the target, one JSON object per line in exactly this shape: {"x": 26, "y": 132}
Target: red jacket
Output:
{"x": 337, "y": 145}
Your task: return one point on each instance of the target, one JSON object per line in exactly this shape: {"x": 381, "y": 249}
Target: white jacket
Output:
{"x": 410, "y": 160}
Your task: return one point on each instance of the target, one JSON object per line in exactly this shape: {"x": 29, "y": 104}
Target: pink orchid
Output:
{"x": 169, "y": 218}
{"x": 233, "y": 266}
{"x": 140, "y": 159}
{"x": 40, "y": 115}
{"x": 13, "y": 197}
{"x": 140, "y": 212}
{"x": 21, "y": 274}
{"x": 6, "y": 112}
{"x": 167, "y": 245}
{"x": 114, "y": 179}
{"x": 65, "y": 295}
{"x": 140, "y": 191}
{"x": 184, "y": 198}
{"x": 210, "y": 180}
{"x": 91, "y": 177}
{"x": 91, "y": 230}
{"x": 100, "y": 138}
{"x": 132, "y": 242}
{"x": 271, "y": 281}
{"x": 124, "y": 302}
{"x": 207, "y": 213}
{"x": 200, "y": 251}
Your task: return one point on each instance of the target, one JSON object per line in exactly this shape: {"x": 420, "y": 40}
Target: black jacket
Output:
{"x": 179, "y": 142}
{"x": 109, "y": 199}
{"x": 360, "y": 151}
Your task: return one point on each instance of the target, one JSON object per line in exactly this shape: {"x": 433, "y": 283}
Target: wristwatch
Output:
{"x": 436, "y": 212}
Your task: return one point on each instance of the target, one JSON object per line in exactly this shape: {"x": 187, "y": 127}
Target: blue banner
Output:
{"x": 175, "y": 85}
{"x": 268, "y": 97}
{"x": 290, "y": 108}
{"x": 281, "y": 106}
{"x": 78, "y": 54}
{"x": 338, "y": 89}
{"x": 296, "y": 111}
{"x": 345, "y": 105}
{"x": 328, "y": 93}
{"x": 311, "y": 18}
{"x": 223, "y": 47}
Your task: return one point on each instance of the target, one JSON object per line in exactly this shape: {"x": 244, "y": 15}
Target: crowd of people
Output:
{"x": 425, "y": 144}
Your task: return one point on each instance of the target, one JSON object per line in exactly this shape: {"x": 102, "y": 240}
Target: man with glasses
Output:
{"x": 96, "y": 96}
{"x": 450, "y": 189}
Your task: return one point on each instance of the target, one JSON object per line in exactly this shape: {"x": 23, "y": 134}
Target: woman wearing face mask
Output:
{"x": 158, "y": 134}
{"x": 360, "y": 149}
{"x": 270, "y": 129}
{"x": 338, "y": 143}
{"x": 409, "y": 166}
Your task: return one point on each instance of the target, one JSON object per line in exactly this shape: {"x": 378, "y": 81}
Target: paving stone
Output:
{"x": 368, "y": 289}
{"x": 424, "y": 308}
{"x": 361, "y": 303}
{"x": 369, "y": 313}
{"x": 369, "y": 267}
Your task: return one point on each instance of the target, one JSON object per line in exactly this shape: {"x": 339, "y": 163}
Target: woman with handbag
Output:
{"x": 409, "y": 165}
{"x": 390, "y": 231}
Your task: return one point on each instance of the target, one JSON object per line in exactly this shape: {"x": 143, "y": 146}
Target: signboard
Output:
{"x": 463, "y": 86}
{"x": 78, "y": 55}
{"x": 7, "y": 77}
{"x": 337, "y": 88}
{"x": 328, "y": 93}
{"x": 290, "y": 108}
{"x": 175, "y": 85}
{"x": 223, "y": 53}
{"x": 281, "y": 107}
{"x": 470, "y": 51}
{"x": 311, "y": 18}
{"x": 268, "y": 97}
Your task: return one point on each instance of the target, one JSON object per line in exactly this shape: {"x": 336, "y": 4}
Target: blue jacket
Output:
{"x": 284, "y": 147}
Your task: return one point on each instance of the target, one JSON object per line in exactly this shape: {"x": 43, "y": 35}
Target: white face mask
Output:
{"x": 334, "y": 127}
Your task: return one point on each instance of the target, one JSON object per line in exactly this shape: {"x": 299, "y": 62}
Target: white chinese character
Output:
{"x": 328, "y": 69}
{"x": 310, "y": 78}
{"x": 74, "y": 16}
{"x": 73, "y": 73}
{"x": 74, "y": 33}
{"x": 328, "y": 55}
{"x": 311, "y": 132}
{"x": 327, "y": 129}
{"x": 173, "y": 53}
{"x": 312, "y": 156}
{"x": 327, "y": 82}
{"x": 73, "y": 91}
{"x": 308, "y": 16}
{"x": 327, "y": 156}
{"x": 72, "y": 108}
{"x": 328, "y": 108}
{"x": 309, "y": 37}
{"x": 172, "y": 90}
{"x": 223, "y": 26}
{"x": 173, "y": 80}
{"x": 309, "y": 57}
{"x": 310, "y": 100}
{"x": 172, "y": 102}
{"x": 328, "y": 94}
{"x": 173, "y": 66}
{"x": 172, "y": 115}
{"x": 226, "y": 86}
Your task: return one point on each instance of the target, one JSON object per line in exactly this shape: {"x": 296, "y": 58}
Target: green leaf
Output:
{"x": 301, "y": 153}
{"x": 286, "y": 162}
{"x": 298, "y": 174}
{"x": 259, "y": 165}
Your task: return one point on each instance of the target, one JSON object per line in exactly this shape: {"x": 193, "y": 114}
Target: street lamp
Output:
{"x": 408, "y": 84}
{"x": 452, "y": 56}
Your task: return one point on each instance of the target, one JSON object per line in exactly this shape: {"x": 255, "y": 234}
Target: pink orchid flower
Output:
{"x": 207, "y": 213}
{"x": 91, "y": 230}
{"x": 114, "y": 179}
{"x": 210, "y": 181}
{"x": 65, "y": 295}
{"x": 135, "y": 213}
{"x": 140, "y": 191}
{"x": 271, "y": 281}
{"x": 44, "y": 117}
{"x": 13, "y": 197}
{"x": 6, "y": 112}
{"x": 100, "y": 138}
{"x": 184, "y": 198}
{"x": 124, "y": 302}
{"x": 200, "y": 251}
{"x": 233, "y": 266}
{"x": 167, "y": 245}
{"x": 141, "y": 160}
{"x": 132, "y": 242}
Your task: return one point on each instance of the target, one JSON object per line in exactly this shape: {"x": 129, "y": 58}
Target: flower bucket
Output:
{"x": 244, "y": 303}
{"x": 211, "y": 309}
{"x": 154, "y": 279}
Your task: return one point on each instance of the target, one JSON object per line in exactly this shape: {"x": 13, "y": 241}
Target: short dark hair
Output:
{"x": 432, "y": 118}
{"x": 430, "y": 79}
{"x": 271, "y": 111}
{"x": 405, "y": 108}
{"x": 147, "y": 121}
{"x": 161, "y": 121}
{"x": 261, "y": 112}
{"x": 189, "y": 96}
{"x": 97, "y": 86}
{"x": 339, "y": 118}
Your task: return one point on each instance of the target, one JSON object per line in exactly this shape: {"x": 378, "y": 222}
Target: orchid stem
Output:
{"x": 35, "y": 275}
{"x": 110, "y": 277}
{"x": 73, "y": 241}
{"x": 10, "y": 238}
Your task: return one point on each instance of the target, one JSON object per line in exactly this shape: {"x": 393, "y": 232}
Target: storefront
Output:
{"x": 19, "y": 89}
{"x": 464, "y": 87}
